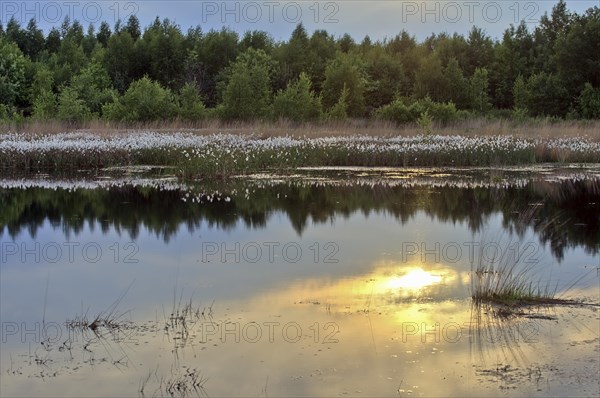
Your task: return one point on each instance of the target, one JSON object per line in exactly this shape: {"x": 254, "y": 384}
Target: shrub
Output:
{"x": 339, "y": 111}
{"x": 547, "y": 95}
{"x": 71, "y": 108}
{"x": 297, "y": 102}
{"x": 44, "y": 105}
{"x": 92, "y": 85}
{"x": 399, "y": 112}
{"x": 589, "y": 102}
{"x": 247, "y": 93}
{"x": 440, "y": 112}
{"x": 144, "y": 100}
{"x": 424, "y": 122}
{"x": 396, "y": 112}
{"x": 519, "y": 114}
{"x": 191, "y": 107}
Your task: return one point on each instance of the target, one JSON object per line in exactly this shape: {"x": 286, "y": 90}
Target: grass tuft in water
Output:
{"x": 509, "y": 281}
{"x": 511, "y": 284}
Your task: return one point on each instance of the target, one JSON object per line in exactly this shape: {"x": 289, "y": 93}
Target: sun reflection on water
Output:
{"x": 415, "y": 279}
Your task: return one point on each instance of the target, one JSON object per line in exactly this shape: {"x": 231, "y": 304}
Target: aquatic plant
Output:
{"x": 509, "y": 279}
{"x": 226, "y": 154}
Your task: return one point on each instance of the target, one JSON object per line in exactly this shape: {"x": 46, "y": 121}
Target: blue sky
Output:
{"x": 376, "y": 18}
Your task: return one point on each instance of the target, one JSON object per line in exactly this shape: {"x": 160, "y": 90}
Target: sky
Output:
{"x": 377, "y": 18}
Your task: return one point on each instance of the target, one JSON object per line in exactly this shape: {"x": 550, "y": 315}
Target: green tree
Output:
{"x": 133, "y": 27}
{"x": 71, "y": 108}
{"x": 424, "y": 122}
{"x": 589, "y": 102}
{"x": 512, "y": 57}
{"x": 69, "y": 60}
{"x": 423, "y": 111}
{"x": 35, "y": 40}
{"x": 12, "y": 74}
{"x": 295, "y": 54}
{"x": 401, "y": 44}
{"x": 366, "y": 45}
{"x": 346, "y": 43}
{"x": 145, "y": 100}
{"x": 297, "y": 102}
{"x": 15, "y": 34}
{"x": 479, "y": 50}
{"x": 547, "y": 33}
{"x": 74, "y": 32}
{"x": 386, "y": 78}
{"x": 547, "y": 95}
{"x": 430, "y": 80}
{"x": 578, "y": 53}
{"x": 339, "y": 111}
{"x": 217, "y": 50}
{"x": 161, "y": 53}
{"x": 452, "y": 47}
{"x": 345, "y": 71}
{"x": 42, "y": 96}
{"x": 258, "y": 40}
{"x": 520, "y": 94}
{"x": 89, "y": 41}
{"x": 397, "y": 111}
{"x": 93, "y": 87}
{"x": 248, "y": 90}
{"x": 53, "y": 41}
{"x": 119, "y": 62}
{"x": 322, "y": 49}
{"x": 104, "y": 33}
{"x": 456, "y": 84}
{"x": 44, "y": 105}
{"x": 191, "y": 107}
{"x": 480, "y": 100}
{"x": 43, "y": 80}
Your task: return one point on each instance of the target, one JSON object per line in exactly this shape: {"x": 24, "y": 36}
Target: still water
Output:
{"x": 324, "y": 283}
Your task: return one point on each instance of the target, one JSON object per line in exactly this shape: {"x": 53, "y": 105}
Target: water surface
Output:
{"x": 327, "y": 282}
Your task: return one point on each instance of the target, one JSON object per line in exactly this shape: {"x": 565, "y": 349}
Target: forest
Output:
{"x": 127, "y": 74}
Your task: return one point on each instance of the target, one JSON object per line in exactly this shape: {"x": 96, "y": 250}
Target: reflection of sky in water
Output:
{"x": 377, "y": 296}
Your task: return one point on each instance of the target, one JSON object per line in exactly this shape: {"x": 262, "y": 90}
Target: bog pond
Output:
{"x": 327, "y": 282}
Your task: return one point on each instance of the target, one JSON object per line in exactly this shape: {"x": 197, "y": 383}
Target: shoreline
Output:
{"x": 221, "y": 155}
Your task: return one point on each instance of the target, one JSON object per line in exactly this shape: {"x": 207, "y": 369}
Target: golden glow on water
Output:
{"x": 387, "y": 331}
{"x": 420, "y": 280}
{"x": 415, "y": 279}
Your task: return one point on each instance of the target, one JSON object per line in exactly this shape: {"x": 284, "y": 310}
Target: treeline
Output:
{"x": 125, "y": 74}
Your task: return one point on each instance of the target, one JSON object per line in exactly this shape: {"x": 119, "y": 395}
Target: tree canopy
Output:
{"x": 550, "y": 70}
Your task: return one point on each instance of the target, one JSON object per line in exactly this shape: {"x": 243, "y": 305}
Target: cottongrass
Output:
{"x": 226, "y": 154}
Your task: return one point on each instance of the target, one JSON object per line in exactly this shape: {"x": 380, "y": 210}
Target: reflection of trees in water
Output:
{"x": 567, "y": 212}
